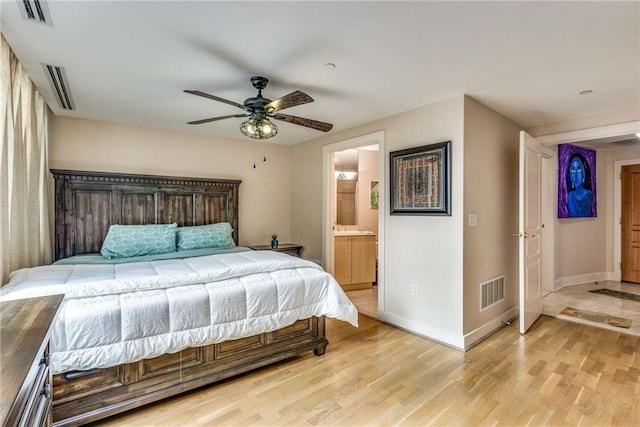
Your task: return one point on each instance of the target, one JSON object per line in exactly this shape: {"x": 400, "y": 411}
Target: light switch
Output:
{"x": 473, "y": 220}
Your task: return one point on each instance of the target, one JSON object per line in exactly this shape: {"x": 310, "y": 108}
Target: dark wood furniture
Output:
{"x": 25, "y": 331}
{"x": 87, "y": 203}
{"x": 287, "y": 248}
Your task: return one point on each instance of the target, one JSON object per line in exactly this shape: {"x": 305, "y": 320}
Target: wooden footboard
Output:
{"x": 92, "y": 395}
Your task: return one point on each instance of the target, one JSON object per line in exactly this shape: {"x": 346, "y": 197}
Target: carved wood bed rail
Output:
{"x": 87, "y": 203}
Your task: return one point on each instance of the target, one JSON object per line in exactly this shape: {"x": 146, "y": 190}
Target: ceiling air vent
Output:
{"x": 35, "y": 11}
{"x": 59, "y": 85}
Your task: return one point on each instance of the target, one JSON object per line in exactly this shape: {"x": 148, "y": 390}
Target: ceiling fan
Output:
{"x": 259, "y": 109}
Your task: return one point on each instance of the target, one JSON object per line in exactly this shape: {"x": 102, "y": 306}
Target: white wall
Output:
{"x": 367, "y": 172}
{"x": 581, "y": 243}
{"x": 265, "y": 192}
{"x": 491, "y": 159}
{"x": 422, "y": 250}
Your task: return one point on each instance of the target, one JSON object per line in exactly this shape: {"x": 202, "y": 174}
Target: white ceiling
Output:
{"x": 128, "y": 62}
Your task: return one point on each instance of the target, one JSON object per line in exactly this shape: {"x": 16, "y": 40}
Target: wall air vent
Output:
{"x": 35, "y": 11}
{"x": 59, "y": 86}
{"x": 491, "y": 292}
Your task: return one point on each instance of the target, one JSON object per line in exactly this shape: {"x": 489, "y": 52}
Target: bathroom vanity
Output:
{"x": 355, "y": 259}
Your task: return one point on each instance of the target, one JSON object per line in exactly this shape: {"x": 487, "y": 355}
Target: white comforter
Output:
{"x": 121, "y": 313}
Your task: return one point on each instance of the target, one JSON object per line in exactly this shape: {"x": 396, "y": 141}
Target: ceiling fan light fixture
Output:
{"x": 259, "y": 108}
{"x": 258, "y": 128}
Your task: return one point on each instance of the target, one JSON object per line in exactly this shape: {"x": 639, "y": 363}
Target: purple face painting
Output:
{"x": 576, "y": 182}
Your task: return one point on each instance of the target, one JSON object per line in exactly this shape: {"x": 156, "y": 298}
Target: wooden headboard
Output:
{"x": 87, "y": 203}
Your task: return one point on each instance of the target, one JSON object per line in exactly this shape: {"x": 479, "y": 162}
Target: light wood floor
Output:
{"x": 578, "y": 296}
{"x": 560, "y": 373}
{"x": 366, "y": 301}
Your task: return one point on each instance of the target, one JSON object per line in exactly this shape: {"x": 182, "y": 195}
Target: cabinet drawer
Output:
{"x": 38, "y": 408}
{"x": 41, "y": 411}
{"x": 294, "y": 252}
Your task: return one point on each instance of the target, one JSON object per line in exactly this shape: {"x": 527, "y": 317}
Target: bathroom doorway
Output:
{"x": 354, "y": 219}
{"x": 356, "y": 227}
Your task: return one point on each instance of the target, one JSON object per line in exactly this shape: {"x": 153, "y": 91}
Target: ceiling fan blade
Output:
{"x": 215, "y": 119}
{"x": 217, "y": 98}
{"x": 288, "y": 101}
{"x": 313, "y": 124}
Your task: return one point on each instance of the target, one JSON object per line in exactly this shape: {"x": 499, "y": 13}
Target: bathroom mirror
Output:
{"x": 346, "y": 206}
{"x": 346, "y": 175}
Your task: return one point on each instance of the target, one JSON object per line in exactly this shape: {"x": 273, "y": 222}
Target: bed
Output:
{"x": 142, "y": 328}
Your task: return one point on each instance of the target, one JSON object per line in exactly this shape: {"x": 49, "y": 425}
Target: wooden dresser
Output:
{"x": 25, "y": 330}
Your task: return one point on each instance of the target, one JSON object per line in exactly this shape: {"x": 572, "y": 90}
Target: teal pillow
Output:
{"x": 205, "y": 236}
{"x": 124, "y": 241}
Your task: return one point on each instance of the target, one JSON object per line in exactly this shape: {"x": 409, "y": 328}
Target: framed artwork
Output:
{"x": 374, "y": 195}
{"x": 420, "y": 180}
{"x": 576, "y": 182}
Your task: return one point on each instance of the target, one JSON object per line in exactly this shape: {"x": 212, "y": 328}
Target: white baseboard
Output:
{"x": 583, "y": 278}
{"x": 437, "y": 335}
{"x": 466, "y": 341}
{"x": 462, "y": 343}
{"x": 488, "y": 328}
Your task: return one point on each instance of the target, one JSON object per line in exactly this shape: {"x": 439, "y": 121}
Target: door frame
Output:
{"x": 549, "y": 190}
{"x": 329, "y": 202}
{"x": 617, "y": 215}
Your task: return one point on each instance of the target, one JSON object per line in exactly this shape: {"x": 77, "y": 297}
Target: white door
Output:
{"x": 529, "y": 233}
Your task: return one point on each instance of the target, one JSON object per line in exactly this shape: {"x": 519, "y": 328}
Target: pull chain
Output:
{"x": 264, "y": 158}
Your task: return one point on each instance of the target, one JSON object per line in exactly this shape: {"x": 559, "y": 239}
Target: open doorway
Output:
{"x": 356, "y": 226}
{"x": 354, "y": 219}
{"x": 580, "y": 284}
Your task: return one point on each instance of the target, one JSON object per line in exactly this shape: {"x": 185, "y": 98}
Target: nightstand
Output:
{"x": 287, "y": 248}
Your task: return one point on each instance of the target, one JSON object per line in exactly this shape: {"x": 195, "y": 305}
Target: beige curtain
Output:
{"x": 25, "y": 239}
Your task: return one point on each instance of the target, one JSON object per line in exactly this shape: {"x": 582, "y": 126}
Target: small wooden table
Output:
{"x": 287, "y": 248}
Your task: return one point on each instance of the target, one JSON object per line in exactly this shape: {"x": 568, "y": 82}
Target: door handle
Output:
{"x": 525, "y": 235}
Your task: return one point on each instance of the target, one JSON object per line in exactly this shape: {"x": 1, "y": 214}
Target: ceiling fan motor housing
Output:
{"x": 256, "y": 104}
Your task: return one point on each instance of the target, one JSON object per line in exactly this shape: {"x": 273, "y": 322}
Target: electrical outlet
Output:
{"x": 414, "y": 289}
{"x": 473, "y": 220}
